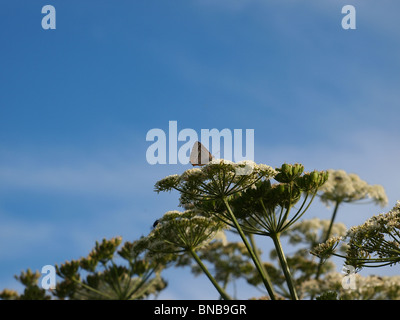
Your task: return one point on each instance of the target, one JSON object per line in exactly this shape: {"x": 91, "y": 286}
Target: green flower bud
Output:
{"x": 314, "y": 177}
{"x": 298, "y": 169}
{"x": 288, "y": 173}
{"x": 311, "y": 181}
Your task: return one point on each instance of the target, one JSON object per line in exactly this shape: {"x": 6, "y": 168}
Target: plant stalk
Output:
{"x": 264, "y": 275}
{"x": 328, "y": 234}
{"x": 284, "y": 265}
{"x": 255, "y": 249}
{"x": 221, "y": 291}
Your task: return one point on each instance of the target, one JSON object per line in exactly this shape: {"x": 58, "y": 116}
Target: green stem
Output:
{"x": 221, "y": 291}
{"x": 255, "y": 249}
{"x": 89, "y": 288}
{"x": 264, "y": 276}
{"x": 134, "y": 290}
{"x": 328, "y": 234}
{"x": 284, "y": 265}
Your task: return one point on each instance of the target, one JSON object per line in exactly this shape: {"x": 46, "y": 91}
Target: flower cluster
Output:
{"x": 130, "y": 281}
{"x": 217, "y": 179}
{"x": 179, "y": 231}
{"x": 374, "y": 243}
{"x": 242, "y": 196}
{"x": 97, "y": 276}
{"x": 267, "y": 208}
{"x": 344, "y": 187}
{"x": 32, "y": 290}
{"x": 253, "y": 199}
{"x": 367, "y": 288}
{"x": 326, "y": 249}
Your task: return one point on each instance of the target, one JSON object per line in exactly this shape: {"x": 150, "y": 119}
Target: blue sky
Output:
{"x": 77, "y": 102}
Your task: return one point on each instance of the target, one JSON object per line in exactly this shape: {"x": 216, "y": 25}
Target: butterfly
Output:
{"x": 200, "y": 156}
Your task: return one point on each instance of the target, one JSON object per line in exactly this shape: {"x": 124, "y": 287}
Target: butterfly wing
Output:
{"x": 200, "y": 156}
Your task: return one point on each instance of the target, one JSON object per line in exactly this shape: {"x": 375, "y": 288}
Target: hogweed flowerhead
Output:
{"x": 28, "y": 277}
{"x": 344, "y": 187}
{"x": 137, "y": 277}
{"x": 265, "y": 207}
{"x": 182, "y": 231}
{"x": 105, "y": 250}
{"x": 376, "y": 242}
{"x": 370, "y": 287}
{"x": 219, "y": 178}
{"x": 248, "y": 203}
{"x": 326, "y": 249}
{"x": 8, "y": 294}
{"x": 168, "y": 183}
{"x": 32, "y": 291}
